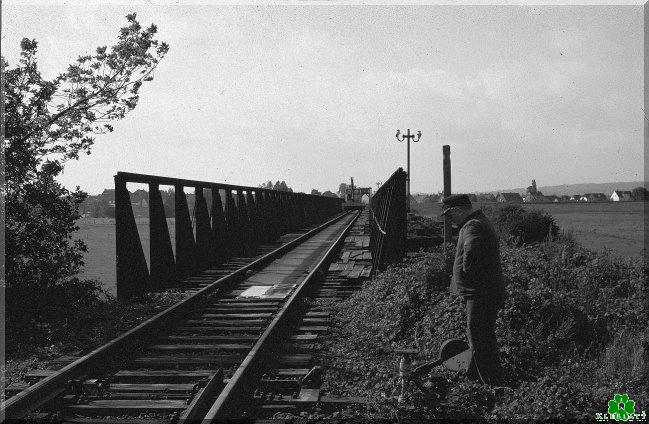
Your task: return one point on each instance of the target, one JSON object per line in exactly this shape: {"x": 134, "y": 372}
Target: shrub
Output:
{"x": 49, "y": 122}
{"x": 572, "y": 333}
{"x": 536, "y": 329}
{"x": 406, "y": 301}
{"x": 623, "y": 357}
{"x": 41, "y": 316}
{"x": 419, "y": 225}
{"x": 467, "y": 400}
{"x": 79, "y": 317}
{"x": 53, "y": 315}
{"x": 519, "y": 226}
{"x": 560, "y": 394}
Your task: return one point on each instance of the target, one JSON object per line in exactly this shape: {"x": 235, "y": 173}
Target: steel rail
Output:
{"x": 40, "y": 393}
{"x": 238, "y": 384}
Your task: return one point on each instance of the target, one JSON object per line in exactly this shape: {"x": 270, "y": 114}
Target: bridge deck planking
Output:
{"x": 151, "y": 387}
{"x": 176, "y": 376}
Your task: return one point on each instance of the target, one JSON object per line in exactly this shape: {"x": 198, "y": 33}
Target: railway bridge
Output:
{"x": 256, "y": 268}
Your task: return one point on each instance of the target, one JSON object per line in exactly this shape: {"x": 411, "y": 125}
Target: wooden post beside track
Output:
{"x": 446, "y": 151}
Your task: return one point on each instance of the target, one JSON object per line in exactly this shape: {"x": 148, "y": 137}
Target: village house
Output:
{"x": 593, "y": 197}
{"x": 509, "y": 198}
{"x": 621, "y": 196}
{"x": 486, "y": 197}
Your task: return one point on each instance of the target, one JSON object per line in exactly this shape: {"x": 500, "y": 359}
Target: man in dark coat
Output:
{"x": 477, "y": 277}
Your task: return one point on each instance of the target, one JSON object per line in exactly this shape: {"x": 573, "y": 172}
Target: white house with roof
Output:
{"x": 621, "y": 196}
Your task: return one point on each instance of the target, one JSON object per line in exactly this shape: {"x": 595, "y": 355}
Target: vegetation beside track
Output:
{"x": 49, "y": 308}
{"x": 572, "y": 334}
{"x": 80, "y": 327}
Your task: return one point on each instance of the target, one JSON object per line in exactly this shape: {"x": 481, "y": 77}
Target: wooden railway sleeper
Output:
{"x": 277, "y": 387}
{"x": 89, "y": 388}
{"x": 262, "y": 397}
{"x": 80, "y": 392}
{"x": 270, "y": 384}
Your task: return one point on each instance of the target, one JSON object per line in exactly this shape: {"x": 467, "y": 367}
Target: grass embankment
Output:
{"x": 84, "y": 327}
{"x": 572, "y": 334}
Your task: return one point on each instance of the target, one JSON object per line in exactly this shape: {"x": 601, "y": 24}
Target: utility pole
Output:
{"x": 446, "y": 166}
{"x": 407, "y": 137}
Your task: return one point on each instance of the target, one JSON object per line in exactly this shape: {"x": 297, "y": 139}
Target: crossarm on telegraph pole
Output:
{"x": 407, "y": 137}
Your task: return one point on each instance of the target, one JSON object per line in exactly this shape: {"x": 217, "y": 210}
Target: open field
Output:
{"x": 618, "y": 226}
{"x": 99, "y": 235}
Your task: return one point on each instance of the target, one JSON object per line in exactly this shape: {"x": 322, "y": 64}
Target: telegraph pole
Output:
{"x": 446, "y": 166}
{"x": 407, "y": 137}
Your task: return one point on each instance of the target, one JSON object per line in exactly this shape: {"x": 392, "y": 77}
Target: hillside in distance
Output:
{"x": 570, "y": 189}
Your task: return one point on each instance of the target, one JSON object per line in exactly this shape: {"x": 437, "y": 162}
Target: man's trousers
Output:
{"x": 481, "y": 326}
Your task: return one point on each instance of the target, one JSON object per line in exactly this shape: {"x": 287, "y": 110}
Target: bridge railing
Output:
{"x": 388, "y": 213}
{"x": 236, "y": 222}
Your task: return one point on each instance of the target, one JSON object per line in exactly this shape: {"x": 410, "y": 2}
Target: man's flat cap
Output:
{"x": 453, "y": 201}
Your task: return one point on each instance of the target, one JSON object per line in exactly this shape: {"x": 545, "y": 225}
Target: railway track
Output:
{"x": 283, "y": 395}
{"x": 201, "y": 357}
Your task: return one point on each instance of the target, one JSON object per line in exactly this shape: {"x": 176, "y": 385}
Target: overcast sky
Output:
{"x": 314, "y": 94}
